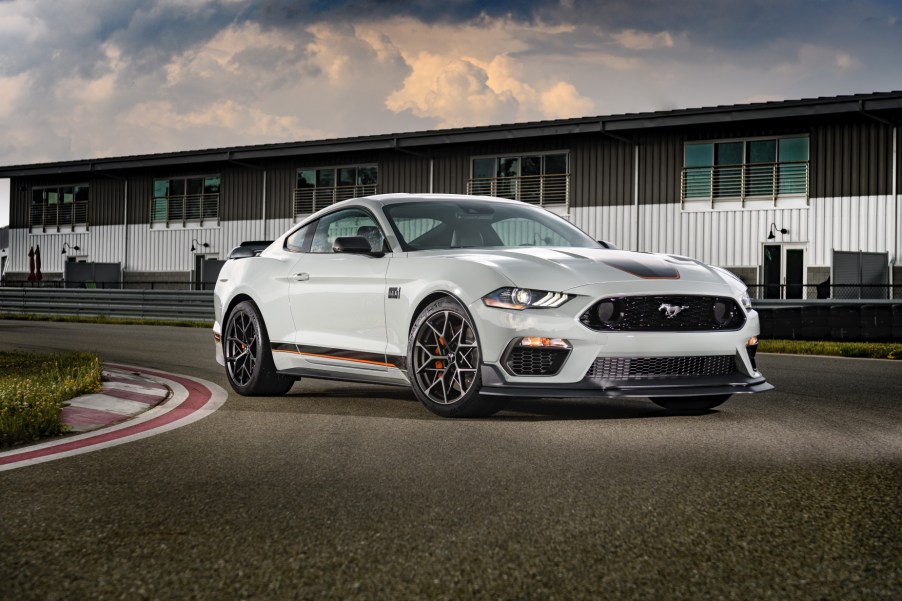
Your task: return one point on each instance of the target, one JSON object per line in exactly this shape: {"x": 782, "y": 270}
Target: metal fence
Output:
{"x": 144, "y": 304}
{"x": 750, "y": 180}
{"x": 826, "y": 291}
{"x": 152, "y": 285}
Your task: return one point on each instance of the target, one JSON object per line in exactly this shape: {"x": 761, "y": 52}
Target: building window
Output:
{"x": 319, "y": 188}
{"x": 60, "y": 206}
{"x": 541, "y": 179}
{"x": 184, "y": 199}
{"x": 741, "y": 170}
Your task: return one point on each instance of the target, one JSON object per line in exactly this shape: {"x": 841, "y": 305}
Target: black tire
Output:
{"x": 248, "y": 358}
{"x": 690, "y": 404}
{"x": 444, "y": 362}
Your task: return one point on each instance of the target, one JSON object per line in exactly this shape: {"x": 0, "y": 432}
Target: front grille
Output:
{"x": 664, "y": 313}
{"x": 646, "y": 368}
{"x": 526, "y": 361}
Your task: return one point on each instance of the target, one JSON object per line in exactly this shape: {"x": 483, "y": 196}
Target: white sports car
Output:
{"x": 472, "y": 300}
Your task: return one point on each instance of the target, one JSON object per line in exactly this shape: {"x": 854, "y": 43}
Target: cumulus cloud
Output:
{"x": 81, "y": 79}
{"x": 642, "y": 40}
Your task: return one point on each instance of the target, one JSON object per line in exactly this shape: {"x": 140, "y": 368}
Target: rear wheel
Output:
{"x": 444, "y": 361}
{"x": 690, "y": 404}
{"x": 245, "y": 346}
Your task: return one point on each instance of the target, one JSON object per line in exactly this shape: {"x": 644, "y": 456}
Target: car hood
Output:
{"x": 565, "y": 268}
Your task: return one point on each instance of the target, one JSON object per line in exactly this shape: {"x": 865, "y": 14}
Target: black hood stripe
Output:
{"x": 650, "y": 268}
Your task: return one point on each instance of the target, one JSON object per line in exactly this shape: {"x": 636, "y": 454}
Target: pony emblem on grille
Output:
{"x": 671, "y": 311}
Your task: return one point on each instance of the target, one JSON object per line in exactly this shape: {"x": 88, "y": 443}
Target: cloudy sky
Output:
{"x": 94, "y": 78}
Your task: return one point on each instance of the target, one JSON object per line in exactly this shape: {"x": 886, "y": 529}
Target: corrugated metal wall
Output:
{"x": 851, "y": 158}
{"x": 850, "y": 206}
{"x": 102, "y": 244}
{"x": 735, "y": 238}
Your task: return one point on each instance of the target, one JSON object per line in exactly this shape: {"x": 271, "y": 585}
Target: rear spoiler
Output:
{"x": 249, "y": 249}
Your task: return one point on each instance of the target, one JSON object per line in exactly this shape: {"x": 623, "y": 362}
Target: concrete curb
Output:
{"x": 125, "y": 394}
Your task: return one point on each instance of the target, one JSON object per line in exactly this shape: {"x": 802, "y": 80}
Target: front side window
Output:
{"x": 318, "y": 188}
{"x": 59, "y": 206}
{"x": 745, "y": 169}
{"x": 542, "y": 179}
{"x": 350, "y": 222}
{"x": 194, "y": 198}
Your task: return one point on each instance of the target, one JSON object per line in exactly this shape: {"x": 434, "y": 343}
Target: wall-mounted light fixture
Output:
{"x": 773, "y": 229}
{"x": 67, "y": 247}
{"x": 195, "y": 244}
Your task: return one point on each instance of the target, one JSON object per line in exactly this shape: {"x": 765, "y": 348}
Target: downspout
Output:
{"x": 894, "y": 186}
{"x": 895, "y": 191}
{"x": 636, "y": 194}
{"x": 264, "y": 205}
{"x": 635, "y": 146}
{"x": 125, "y": 242}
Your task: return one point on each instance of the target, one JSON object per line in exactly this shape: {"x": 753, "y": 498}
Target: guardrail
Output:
{"x": 153, "y": 285}
{"x": 143, "y": 304}
{"x": 826, "y": 290}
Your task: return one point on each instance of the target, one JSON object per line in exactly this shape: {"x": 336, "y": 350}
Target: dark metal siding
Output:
{"x": 105, "y": 205}
{"x": 601, "y": 168}
{"x": 660, "y": 163}
{"x": 601, "y": 171}
{"x": 850, "y": 157}
{"x": 281, "y": 179}
{"x": 241, "y": 194}
{"x": 403, "y": 172}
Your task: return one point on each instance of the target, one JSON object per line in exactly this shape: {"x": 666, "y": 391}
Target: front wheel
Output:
{"x": 248, "y": 359}
{"x": 444, "y": 361}
{"x": 689, "y": 404}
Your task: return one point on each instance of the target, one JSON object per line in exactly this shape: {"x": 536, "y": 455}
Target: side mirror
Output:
{"x": 242, "y": 252}
{"x": 355, "y": 245}
{"x": 604, "y": 244}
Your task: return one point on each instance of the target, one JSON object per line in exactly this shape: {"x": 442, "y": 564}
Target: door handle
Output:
{"x": 301, "y": 277}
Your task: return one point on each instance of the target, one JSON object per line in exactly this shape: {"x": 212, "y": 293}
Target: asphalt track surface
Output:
{"x": 356, "y": 492}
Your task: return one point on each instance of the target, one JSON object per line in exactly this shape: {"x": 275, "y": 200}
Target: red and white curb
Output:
{"x": 192, "y": 399}
{"x": 125, "y": 393}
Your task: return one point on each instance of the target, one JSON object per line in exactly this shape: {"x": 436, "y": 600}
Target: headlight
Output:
{"x": 746, "y": 301}
{"x": 522, "y": 298}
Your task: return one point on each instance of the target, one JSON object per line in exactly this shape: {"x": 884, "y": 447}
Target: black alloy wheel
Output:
{"x": 444, "y": 362}
{"x": 245, "y": 347}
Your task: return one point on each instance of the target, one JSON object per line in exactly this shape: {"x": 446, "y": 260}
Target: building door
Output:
{"x": 784, "y": 271}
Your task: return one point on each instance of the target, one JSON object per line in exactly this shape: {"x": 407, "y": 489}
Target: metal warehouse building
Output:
{"x": 799, "y": 198}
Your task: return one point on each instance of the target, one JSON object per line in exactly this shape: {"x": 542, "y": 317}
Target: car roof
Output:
{"x": 401, "y": 198}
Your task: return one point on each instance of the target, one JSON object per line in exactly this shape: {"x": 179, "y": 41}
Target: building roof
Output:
{"x": 614, "y": 125}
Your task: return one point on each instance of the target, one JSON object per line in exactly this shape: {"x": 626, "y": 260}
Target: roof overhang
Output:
{"x": 623, "y": 125}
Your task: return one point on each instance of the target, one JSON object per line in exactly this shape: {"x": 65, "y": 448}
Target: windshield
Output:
{"x": 444, "y": 224}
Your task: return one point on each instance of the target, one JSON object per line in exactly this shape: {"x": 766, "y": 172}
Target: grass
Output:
{"x": 866, "y": 350}
{"x": 33, "y": 388}
{"x": 128, "y": 321}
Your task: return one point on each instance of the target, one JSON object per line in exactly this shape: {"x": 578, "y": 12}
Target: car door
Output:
{"x": 338, "y": 299}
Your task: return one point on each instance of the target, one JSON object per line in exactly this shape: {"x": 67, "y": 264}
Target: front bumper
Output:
{"x": 499, "y": 329}
{"x": 494, "y": 384}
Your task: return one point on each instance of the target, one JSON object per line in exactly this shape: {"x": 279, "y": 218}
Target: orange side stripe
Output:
{"x": 337, "y": 358}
